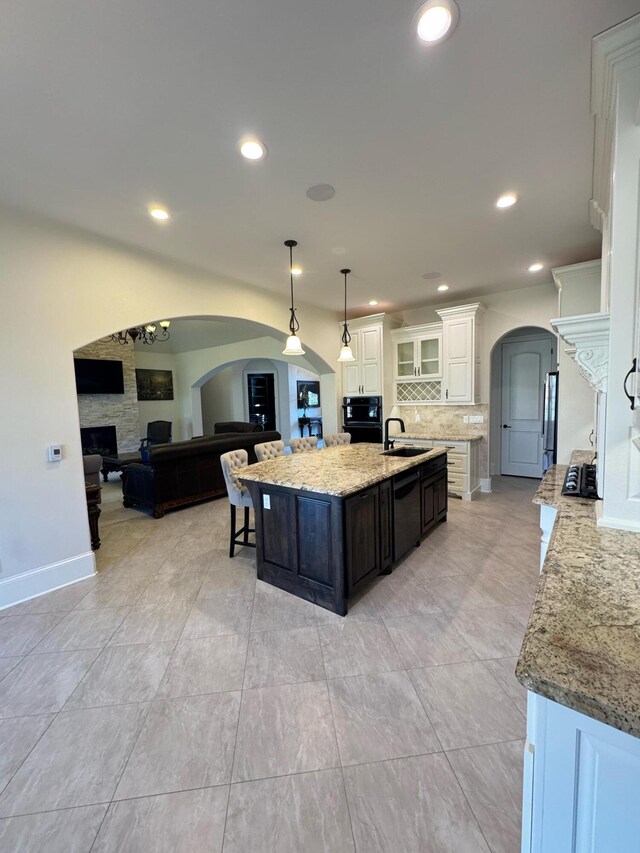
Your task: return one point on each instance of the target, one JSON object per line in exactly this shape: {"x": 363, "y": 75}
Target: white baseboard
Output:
{"x": 485, "y": 484}
{"x": 619, "y": 524}
{"x": 31, "y": 584}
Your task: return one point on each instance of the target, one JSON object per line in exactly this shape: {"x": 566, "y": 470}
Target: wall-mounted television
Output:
{"x": 308, "y": 394}
{"x": 98, "y": 376}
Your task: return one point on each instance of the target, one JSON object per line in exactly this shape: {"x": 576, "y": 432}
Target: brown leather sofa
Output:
{"x": 186, "y": 471}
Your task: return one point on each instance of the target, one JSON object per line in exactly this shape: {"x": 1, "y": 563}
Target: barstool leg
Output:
{"x": 232, "y": 542}
{"x": 246, "y": 526}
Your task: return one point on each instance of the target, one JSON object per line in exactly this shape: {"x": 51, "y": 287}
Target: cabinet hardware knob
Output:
{"x": 447, "y": 394}
{"x": 506, "y": 426}
{"x": 450, "y": 481}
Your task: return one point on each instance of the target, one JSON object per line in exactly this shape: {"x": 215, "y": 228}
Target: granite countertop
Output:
{"x": 582, "y": 644}
{"x": 340, "y": 471}
{"x": 427, "y": 436}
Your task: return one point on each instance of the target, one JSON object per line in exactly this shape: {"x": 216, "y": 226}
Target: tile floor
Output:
{"x": 173, "y": 703}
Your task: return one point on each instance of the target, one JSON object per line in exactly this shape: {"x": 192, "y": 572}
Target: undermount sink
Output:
{"x": 405, "y": 451}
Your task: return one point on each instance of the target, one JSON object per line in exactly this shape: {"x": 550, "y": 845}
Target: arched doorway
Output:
{"x": 520, "y": 361}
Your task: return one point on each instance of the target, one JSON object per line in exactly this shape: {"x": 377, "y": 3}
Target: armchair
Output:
{"x": 158, "y": 432}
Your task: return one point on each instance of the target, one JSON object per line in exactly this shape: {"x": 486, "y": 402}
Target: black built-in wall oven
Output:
{"x": 362, "y": 418}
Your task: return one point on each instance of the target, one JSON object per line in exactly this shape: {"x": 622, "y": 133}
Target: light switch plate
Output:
{"x": 476, "y": 419}
{"x": 266, "y": 501}
{"x": 465, "y": 419}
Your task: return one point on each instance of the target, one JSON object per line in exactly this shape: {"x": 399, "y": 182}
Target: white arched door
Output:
{"x": 524, "y": 367}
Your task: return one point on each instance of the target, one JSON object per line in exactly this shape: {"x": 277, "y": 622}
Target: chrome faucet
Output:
{"x": 389, "y": 442}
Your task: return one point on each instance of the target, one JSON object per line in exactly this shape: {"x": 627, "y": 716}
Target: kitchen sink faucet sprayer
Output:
{"x": 389, "y": 442}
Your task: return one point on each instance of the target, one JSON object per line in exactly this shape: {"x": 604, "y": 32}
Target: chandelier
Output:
{"x": 147, "y": 334}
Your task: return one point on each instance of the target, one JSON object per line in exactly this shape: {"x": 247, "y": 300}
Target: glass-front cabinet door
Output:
{"x": 429, "y": 359}
{"x": 405, "y": 359}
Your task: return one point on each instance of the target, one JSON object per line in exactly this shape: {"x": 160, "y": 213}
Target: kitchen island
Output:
{"x": 329, "y": 521}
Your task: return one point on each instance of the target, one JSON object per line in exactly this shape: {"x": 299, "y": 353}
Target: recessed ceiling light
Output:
{"x": 339, "y": 250}
{"x": 435, "y": 20}
{"x": 321, "y": 192}
{"x": 252, "y": 148}
{"x": 507, "y": 200}
{"x": 536, "y": 267}
{"x": 373, "y": 302}
{"x": 443, "y": 287}
{"x": 159, "y": 213}
{"x": 296, "y": 270}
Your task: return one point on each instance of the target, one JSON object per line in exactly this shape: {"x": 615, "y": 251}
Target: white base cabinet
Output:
{"x": 463, "y": 479}
{"x": 581, "y": 783}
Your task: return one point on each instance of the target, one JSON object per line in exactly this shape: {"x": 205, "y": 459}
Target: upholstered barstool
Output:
{"x": 231, "y": 464}
{"x": 300, "y": 445}
{"x": 336, "y": 438}
{"x": 269, "y": 450}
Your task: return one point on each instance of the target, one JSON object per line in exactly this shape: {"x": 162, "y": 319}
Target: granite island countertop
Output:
{"x": 582, "y": 644}
{"x": 427, "y": 436}
{"x": 341, "y": 471}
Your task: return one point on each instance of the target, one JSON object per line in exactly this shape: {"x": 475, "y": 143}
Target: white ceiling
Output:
{"x": 109, "y": 106}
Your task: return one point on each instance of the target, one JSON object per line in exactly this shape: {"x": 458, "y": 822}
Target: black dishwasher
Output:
{"x": 406, "y": 513}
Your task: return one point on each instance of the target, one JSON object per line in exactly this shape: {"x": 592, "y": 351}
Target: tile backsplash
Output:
{"x": 439, "y": 421}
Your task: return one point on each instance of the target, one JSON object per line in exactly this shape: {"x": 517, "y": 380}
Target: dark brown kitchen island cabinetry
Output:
{"x": 325, "y": 520}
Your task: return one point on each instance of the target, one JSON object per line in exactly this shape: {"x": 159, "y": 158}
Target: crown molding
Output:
{"x": 474, "y": 309}
{"x": 573, "y": 272}
{"x": 613, "y": 52}
{"x": 588, "y": 339}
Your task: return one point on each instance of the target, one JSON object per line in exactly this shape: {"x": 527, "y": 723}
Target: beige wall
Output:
{"x": 69, "y": 289}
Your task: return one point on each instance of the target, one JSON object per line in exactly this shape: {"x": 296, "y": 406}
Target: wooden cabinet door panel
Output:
{"x": 314, "y": 540}
{"x": 362, "y": 533}
{"x": 428, "y": 506}
{"x": 386, "y": 525}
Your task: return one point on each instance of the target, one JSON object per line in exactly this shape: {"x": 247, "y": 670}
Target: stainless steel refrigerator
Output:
{"x": 550, "y": 421}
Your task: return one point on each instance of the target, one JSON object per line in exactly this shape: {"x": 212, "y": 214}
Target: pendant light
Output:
{"x": 345, "y": 353}
{"x": 294, "y": 346}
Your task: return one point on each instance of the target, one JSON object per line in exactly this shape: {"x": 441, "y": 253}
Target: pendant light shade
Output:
{"x": 345, "y": 352}
{"x": 293, "y": 345}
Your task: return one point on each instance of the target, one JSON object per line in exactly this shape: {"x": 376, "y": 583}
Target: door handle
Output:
{"x": 631, "y": 398}
{"x": 506, "y": 426}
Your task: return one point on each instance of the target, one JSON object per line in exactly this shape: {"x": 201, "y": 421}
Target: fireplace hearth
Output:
{"x": 99, "y": 439}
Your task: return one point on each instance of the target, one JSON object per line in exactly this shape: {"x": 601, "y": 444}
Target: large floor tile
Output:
{"x": 378, "y": 717}
{"x": 68, "y": 831}
{"x": 7, "y": 664}
{"x": 116, "y": 590}
{"x": 153, "y": 623}
{"x": 17, "y": 738}
{"x": 171, "y": 588}
{"x": 209, "y": 665}
{"x": 491, "y": 633}
{"x": 77, "y": 762}
{"x": 306, "y": 812}
{"x": 466, "y": 705}
{"x": 428, "y": 640}
{"x": 285, "y": 729}
{"x": 402, "y": 596}
{"x": 185, "y": 743}
{"x": 184, "y": 822}
{"x": 41, "y": 684}
{"x": 504, "y": 672}
{"x": 274, "y": 608}
{"x": 283, "y": 657}
{"x": 123, "y": 674}
{"x": 214, "y": 617}
{"x": 20, "y": 634}
{"x": 61, "y": 600}
{"x": 462, "y": 592}
{"x": 413, "y": 805}
{"x": 80, "y": 629}
{"x": 362, "y": 608}
{"x": 226, "y": 578}
{"x": 357, "y": 648}
{"x": 491, "y": 778}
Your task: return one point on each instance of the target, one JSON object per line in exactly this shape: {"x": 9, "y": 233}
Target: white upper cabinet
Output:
{"x": 439, "y": 362}
{"x": 461, "y": 328}
{"x": 364, "y": 375}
